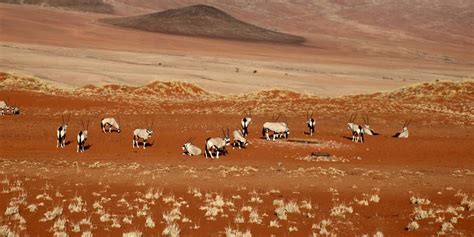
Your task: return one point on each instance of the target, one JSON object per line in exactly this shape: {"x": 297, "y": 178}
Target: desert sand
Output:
{"x": 378, "y": 59}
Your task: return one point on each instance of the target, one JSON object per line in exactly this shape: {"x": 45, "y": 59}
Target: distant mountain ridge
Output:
{"x": 202, "y": 21}
{"x": 98, "y": 6}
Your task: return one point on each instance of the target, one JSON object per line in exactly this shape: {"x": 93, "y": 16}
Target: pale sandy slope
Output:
{"x": 71, "y": 67}
{"x": 72, "y": 49}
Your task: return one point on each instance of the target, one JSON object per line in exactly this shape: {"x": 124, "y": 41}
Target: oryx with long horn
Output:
{"x": 366, "y": 127}
{"x": 142, "y": 134}
{"x": 279, "y": 129}
{"x": 82, "y": 137}
{"x": 190, "y": 149}
{"x": 109, "y": 124}
{"x": 404, "y": 133}
{"x": 217, "y": 145}
{"x": 356, "y": 129}
{"x": 245, "y": 123}
{"x": 61, "y": 132}
{"x": 310, "y": 122}
{"x": 239, "y": 139}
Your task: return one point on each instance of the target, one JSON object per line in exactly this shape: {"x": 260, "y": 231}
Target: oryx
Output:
{"x": 109, "y": 124}
{"x": 245, "y": 123}
{"x": 279, "y": 129}
{"x": 239, "y": 139}
{"x": 366, "y": 127}
{"x": 404, "y": 133}
{"x": 82, "y": 137}
{"x": 6, "y": 109}
{"x": 217, "y": 145}
{"x": 3, "y": 106}
{"x": 142, "y": 134}
{"x": 190, "y": 149}
{"x": 356, "y": 129}
{"x": 14, "y": 110}
{"x": 311, "y": 123}
{"x": 61, "y": 132}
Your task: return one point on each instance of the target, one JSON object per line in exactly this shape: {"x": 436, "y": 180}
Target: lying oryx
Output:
{"x": 239, "y": 140}
{"x": 61, "y": 132}
{"x": 82, "y": 137}
{"x": 245, "y": 123}
{"x": 217, "y": 145}
{"x": 110, "y": 123}
{"x": 404, "y": 133}
{"x": 190, "y": 149}
{"x": 356, "y": 129}
{"x": 311, "y": 123}
{"x": 14, "y": 110}
{"x": 366, "y": 127}
{"x": 279, "y": 129}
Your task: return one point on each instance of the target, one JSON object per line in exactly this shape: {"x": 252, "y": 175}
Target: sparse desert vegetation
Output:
{"x": 391, "y": 60}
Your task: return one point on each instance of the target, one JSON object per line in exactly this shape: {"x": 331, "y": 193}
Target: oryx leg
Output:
{"x": 210, "y": 152}
{"x": 144, "y": 143}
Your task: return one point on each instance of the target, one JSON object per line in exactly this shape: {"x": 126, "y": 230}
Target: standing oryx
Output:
{"x": 311, "y": 123}
{"x": 82, "y": 137}
{"x": 142, "y": 134}
{"x": 216, "y": 145}
{"x": 404, "y": 133}
{"x": 239, "y": 140}
{"x": 3, "y": 106}
{"x": 356, "y": 129}
{"x": 190, "y": 149}
{"x": 110, "y": 123}
{"x": 61, "y": 132}
{"x": 279, "y": 129}
{"x": 245, "y": 123}
{"x": 366, "y": 127}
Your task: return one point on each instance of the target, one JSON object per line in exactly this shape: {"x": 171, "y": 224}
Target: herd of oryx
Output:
{"x": 6, "y": 109}
{"x": 214, "y": 146}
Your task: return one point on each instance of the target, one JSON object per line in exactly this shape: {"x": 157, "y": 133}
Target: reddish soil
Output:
{"x": 435, "y": 162}
{"x": 381, "y": 185}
